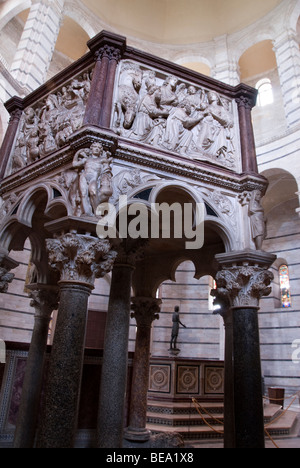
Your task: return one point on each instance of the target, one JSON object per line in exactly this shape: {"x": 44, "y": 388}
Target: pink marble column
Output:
{"x": 146, "y": 310}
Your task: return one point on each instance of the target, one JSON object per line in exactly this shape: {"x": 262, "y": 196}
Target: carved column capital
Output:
{"x": 110, "y": 52}
{"x": 5, "y": 279}
{"x": 44, "y": 299}
{"x": 108, "y": 45}
{"x": 131, "y": 251}
{"x": 80, "y": 258}
{"x": 244, "y": 278}
{"x": 145, "y": 310}
{"x": 6, "y": 264}
{"x": 246, "y": 97}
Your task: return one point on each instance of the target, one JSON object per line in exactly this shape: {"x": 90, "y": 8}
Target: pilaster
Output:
{"x": 35, "y": 50}
{"x": 287, "y": 52}
{"x": 226, "y": 68}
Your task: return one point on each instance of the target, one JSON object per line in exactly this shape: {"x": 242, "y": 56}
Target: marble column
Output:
{"x": 114, "y": 58}
{"x": 107, "y": 50}
{"x": 115, "y": 358}
{"x": 246, "y": 101}
{"x": 243, "y": 280}
{"x": 229, "y": 425}
{"x": 286, "y": 47}
{"x": 79, "y": 259}
{"x": 15, "y": 108}
{"x": 34, "y": 53}
{"x": 146, "y": 310}
{"x": 44, "y": 299}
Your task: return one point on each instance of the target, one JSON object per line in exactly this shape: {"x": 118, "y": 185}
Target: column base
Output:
{"x": 137, "y": 435}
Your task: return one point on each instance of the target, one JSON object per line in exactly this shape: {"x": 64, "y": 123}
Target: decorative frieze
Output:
{"x": 171, "y": 114}
{"x": 47, "y": 125}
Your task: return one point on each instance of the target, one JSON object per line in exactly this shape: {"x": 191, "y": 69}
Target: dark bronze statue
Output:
{"x": 175, "y": 329}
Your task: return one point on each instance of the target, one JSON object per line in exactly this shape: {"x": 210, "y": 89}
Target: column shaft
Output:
{"x": 94, "y": 105}
{"x": 35, "y": 50}
{"x": 115, "y": 360}
{"x": 242, "y": 282}
{"x": 45, "y": 301}
{"x": 140, "y": 380}
{"x": 249, "y": 160}
{"x": 248, "y": 401}
{"x": 15, "y": 108}
{"x": 145, "y": 312}
{"x": 59, "y": 422}
{"x": 229, "y": 422}
{"x": 109, "y": 90}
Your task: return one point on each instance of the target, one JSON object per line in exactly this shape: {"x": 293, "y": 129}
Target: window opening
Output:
{"x": 285, "y": 286}
{"x": 265, "y": 92}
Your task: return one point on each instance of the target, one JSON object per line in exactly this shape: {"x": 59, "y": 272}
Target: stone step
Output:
{"x": 189, "y": 432}
{"x": 180, "y": 408}
{"x": 184, "y": 419}
{"x": 284, "y": 425}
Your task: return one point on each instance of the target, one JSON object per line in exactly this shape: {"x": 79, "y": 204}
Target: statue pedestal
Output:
{"x": 179, "y": 379}
{"x": 174, "y": 352}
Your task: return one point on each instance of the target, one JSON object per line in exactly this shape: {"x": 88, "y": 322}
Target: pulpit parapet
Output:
{"x": 148, "y": 102}
{"x": 119, "y": 120}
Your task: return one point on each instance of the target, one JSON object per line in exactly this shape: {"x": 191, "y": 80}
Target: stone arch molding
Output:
{"x": 18, "y": 212}
{"x": 224, "y": 223}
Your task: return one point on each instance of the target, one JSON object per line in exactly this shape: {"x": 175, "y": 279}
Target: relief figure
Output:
{"x": 128, "y": 95}
{"x": 173, "y": 115}
{"x": 47, "y": 126}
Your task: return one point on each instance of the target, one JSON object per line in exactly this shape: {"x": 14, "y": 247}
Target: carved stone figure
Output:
{"x": 128, "y": 93}
{"x": 149, "y": 110}
{"x": 257, "y": 219}
{"x": 167, "y": 113}
{"x": 178, "y": 135}
{"x": 92, "y": 185}
{"x": 47, "y": 126}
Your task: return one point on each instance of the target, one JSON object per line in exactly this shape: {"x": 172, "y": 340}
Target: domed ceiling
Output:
{"x": 179, "y": 21}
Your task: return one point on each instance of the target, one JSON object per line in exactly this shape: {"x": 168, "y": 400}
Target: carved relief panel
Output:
{"x": 170, "y": 114}
{"x": 46, "y": 126}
